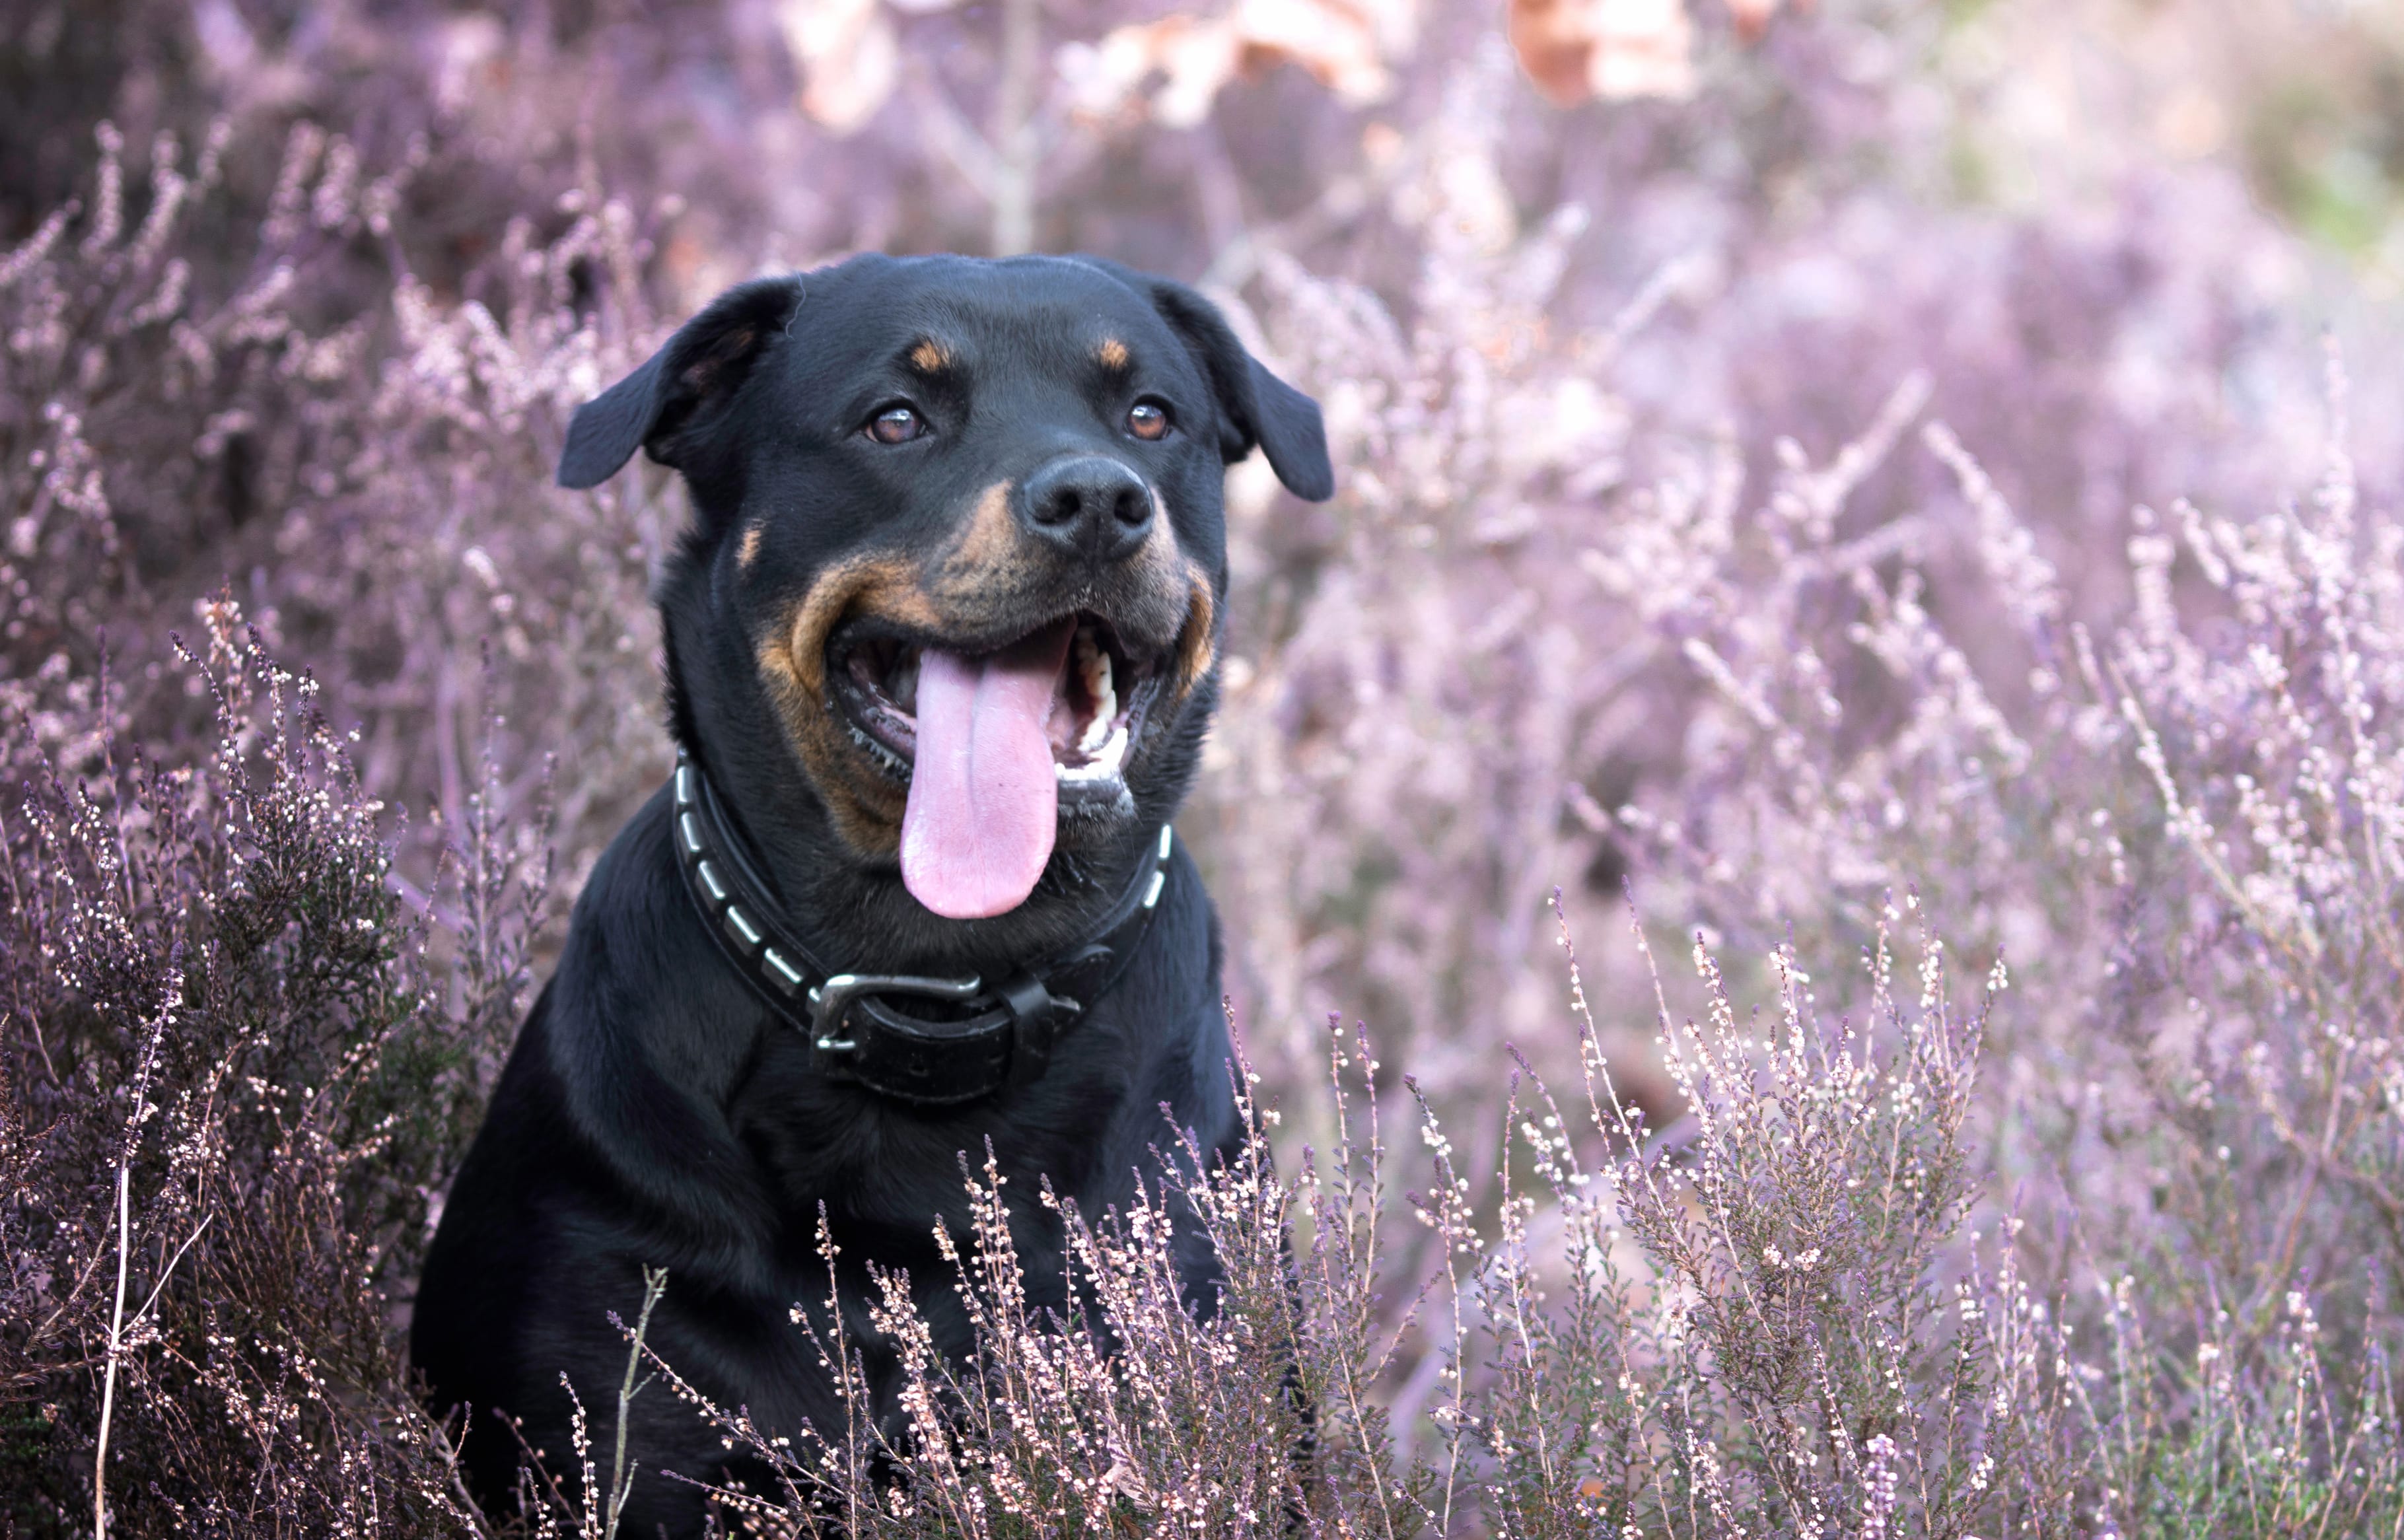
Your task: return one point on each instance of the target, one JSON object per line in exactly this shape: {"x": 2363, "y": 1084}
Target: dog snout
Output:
{"x": 1090, "y": 505}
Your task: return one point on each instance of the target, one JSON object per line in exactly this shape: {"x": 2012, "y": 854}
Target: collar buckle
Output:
{"x": 1001, "y": 1036}
{"x": 831, "y": 1001}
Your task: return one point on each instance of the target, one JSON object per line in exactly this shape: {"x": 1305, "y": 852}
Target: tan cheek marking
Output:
{"x": 1163, "y": 562}
{"x": 929, "y": 356}
{"x": 1166, "y": 569}
{"x": 880, "y": 585}
{"x": 792, "y": 658}
{"x": 1198, "y": 646}
{"x": 749, "y": 551}
{"x": 1113, "y": 353}
{"x": 987, "y": 547}
{"x": 992, "y": 567}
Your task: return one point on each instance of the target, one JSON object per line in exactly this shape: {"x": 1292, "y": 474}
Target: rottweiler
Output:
{"x": 942, "y": 641}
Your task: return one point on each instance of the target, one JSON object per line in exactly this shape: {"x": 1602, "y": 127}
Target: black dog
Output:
{"x": 941, "y": 644}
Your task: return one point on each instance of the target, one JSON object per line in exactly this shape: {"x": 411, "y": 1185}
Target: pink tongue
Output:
{"x": 984, "y": 805}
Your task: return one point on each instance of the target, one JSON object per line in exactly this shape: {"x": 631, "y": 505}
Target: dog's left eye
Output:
{"x": 1148, "y": 419}
{"x": 897, "y": 424}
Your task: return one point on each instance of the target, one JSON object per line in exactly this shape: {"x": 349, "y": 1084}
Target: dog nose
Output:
{"x": 1091, "y": 506}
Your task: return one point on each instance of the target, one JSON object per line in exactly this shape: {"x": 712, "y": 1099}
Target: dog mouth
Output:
{"x": 1100, "y": 702}
{"x": 998, "y": 747}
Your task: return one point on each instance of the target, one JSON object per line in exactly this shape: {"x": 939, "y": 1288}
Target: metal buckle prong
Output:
{"x": 831, "y": 1000}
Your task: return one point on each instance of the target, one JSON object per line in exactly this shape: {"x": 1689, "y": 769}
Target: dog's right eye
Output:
{"x": 896, "y": 425}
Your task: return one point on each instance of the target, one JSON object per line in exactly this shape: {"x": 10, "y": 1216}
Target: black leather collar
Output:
{"x": 1000, "y": 1035}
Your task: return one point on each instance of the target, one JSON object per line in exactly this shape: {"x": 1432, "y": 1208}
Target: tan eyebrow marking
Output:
{"x": 749, "y": 551}
{"x": 929, "y": 356}
{"x": 1113, "y": 353}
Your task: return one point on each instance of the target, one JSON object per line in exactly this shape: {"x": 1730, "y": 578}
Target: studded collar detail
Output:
{"x": 985, "y": 1037}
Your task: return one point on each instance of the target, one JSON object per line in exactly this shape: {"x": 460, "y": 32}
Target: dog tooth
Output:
{"x": 1103, "y": 763}
{"x": 1098, "y": 685}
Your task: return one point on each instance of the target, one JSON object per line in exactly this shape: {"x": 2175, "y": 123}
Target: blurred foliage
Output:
{"x": 1763, "y": 433}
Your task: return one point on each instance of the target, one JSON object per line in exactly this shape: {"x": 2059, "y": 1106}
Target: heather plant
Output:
{"x": 1774, "y": 1321}
{"x": 2227, "y": 999}
{"x": 374, "y": 482}
{"x": 1801, "y": 1357}
{"x": 1749, "y": 492}
{"x": 232, "y": 1081}
{"x": 1452, "y": 680}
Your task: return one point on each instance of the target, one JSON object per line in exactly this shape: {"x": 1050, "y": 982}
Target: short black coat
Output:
{"x": 654, "y": 1112}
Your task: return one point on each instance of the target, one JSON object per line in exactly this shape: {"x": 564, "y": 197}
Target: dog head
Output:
{"x": 952, "y": 600}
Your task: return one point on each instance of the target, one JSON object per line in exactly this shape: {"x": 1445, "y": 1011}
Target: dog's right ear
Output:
{"x": 660, "y": 406}
{"x": 1255, "y": 406}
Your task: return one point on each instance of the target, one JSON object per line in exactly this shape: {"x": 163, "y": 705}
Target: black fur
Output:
{"x": 654, "y": 1114}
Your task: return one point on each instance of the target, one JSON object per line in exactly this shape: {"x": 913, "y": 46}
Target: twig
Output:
{"x": 953, "y": 135}
{"x": 168, "y": 1271}
{"x": 439, "y": 1439}
{"x": 1014, "y": 130}
{"x": 116, "y": 1336}
{"x": 133, "y": 1118}
{"x": 1344, "y": 200}
{"x": 655, "y": 1283}
{"x": 16, "y": 903}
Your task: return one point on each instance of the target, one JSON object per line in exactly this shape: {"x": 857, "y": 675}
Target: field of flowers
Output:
{"x": 1812, "y": 847}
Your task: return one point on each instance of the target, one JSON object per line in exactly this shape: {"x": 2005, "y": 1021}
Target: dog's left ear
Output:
{"x": 1255, "y": 407}
{"x": 661, "y": 407}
